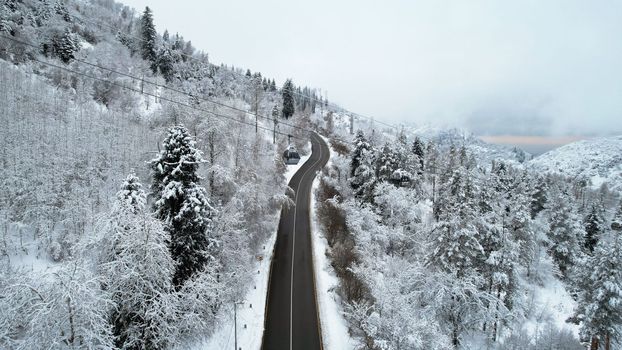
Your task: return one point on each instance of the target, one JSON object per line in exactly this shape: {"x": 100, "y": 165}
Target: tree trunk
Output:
{"x": 454, "y": 338}
{"x": 594, "y": 344}
{"x": 72, "y": 334}
{"x": 607, "y": 341}
{"x": 212, "y": 158}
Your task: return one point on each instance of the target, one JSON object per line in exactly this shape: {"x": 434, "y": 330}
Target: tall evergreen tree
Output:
{"x": 66, "y": 45}
{"x": 457, "y": 247}
{"x": 165, "y": 62}
{"x": 418, "y": 151}
{"x": 362, "y": 168}
{"x": 599, "y": 301}
{"x": 181, "y": 202}
{"x": 288, "y": 99}
{"x": 387, "y": 163}
{"x": 594, "y": 226}
{"x": 149, "y": 39}
{"x": 566, "y": 233}
{"x": 538, "y": 196}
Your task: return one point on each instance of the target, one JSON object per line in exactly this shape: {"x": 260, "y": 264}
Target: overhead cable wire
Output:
{"x": 218, "y": 115}
{"x": 191, "y": 57}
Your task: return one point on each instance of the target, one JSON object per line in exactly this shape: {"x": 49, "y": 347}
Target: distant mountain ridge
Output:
{"x": 597, "y": 160}
{"x": 484, "y": 152}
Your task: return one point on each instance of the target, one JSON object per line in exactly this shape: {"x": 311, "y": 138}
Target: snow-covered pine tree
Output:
{"x": 418, "y": 152}
{"x": 166, "y": 59}
{"x": 501, "y": 220}
{"x": 287, "y": 93}
{"x": 457, "y": 248}
{"x": 61, "y": 10}
{"x": 387, "y": 163}
{"x": 599, "y": 300}
{"x": 149, "y": 38}
{"x": 521, "y": 224}
{"x": 360, "y": 144}
{"x": 137, "y": 271}
{"x": 539, "y": 195}
{"x": 594, "y": 226}
{"x": 181, "y": 202}
{"x": 131, "y": 197}
{"x": 566, "y": 233}
{"x": 66, "y": 45}
{"x": 445, "y": 184}
{"x": 362, "y": 168}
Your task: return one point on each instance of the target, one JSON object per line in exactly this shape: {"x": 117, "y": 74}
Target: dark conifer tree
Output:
{"x": 599, "y": 293}
{"x": 594, "y": 226}
{"x": 181, "y": 202}
{"x": 149, "y": 39}
{"x": 362, "y": 169}
{"x": 566, "y": 233}
{"x": 165, "y": 63}
{"x": 386, "y": 164}
{"x": 538, "y": 197}
{"x": 66, "y": 45}
{"x": 418, "y": 151}
{"x": 288, "y": 99}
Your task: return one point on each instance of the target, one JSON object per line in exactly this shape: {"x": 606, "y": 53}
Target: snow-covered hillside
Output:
{"x": 597, "y": 160}
{"x": 483, "y": 152}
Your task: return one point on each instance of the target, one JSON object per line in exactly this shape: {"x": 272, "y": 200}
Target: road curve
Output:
{"x": 291, "y": 308}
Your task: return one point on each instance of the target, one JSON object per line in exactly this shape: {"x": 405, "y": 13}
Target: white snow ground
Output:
{"x": 250, "y": 314}
{"x": 550, "y": 302}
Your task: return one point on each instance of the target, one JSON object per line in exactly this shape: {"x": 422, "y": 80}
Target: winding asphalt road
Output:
{"x": 291, "y": 309}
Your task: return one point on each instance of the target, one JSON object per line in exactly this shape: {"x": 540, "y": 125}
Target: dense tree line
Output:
{"x": 444, "y": 250}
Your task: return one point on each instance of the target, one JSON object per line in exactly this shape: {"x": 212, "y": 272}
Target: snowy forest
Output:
{"x": 140, "y": 184}
{"x": 437, "y": 249}
{"x": 139, "y": 180}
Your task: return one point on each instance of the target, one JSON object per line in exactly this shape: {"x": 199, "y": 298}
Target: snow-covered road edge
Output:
{"x": 334, "y": 327}
{"x": 251, "y": 313}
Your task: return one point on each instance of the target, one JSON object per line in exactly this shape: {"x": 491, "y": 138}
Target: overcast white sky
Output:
{"x": 497, "y": 67}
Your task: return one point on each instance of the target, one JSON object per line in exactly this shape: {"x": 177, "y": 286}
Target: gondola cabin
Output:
{"x": 291, "y": 156}
{"x": 400, "y": 178}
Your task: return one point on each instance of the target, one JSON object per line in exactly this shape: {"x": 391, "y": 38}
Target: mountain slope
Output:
{"x": 483, "y": 152}
{"x": 597, "y": 160}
